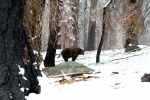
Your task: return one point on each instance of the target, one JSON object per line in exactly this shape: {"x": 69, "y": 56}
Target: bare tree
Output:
{"x": 103, "y": 31}
{"x": 49, "y": 60}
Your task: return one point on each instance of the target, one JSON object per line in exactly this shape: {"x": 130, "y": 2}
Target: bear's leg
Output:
{"x": 65, "y": 59}
{"x": 74, "y": 58}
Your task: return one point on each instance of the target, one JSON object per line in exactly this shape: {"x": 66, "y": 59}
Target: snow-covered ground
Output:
{"x": 126, "y": 85}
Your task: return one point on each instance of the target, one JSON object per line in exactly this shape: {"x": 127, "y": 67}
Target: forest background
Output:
{"x": 29, "y": 27}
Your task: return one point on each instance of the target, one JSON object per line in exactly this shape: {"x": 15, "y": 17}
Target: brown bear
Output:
{"x": 71, "y": 52}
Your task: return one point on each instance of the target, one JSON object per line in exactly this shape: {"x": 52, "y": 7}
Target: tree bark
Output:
{"x": 19, "y": 64}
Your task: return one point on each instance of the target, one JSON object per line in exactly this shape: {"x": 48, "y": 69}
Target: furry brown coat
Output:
{"x": 71, "y": 53}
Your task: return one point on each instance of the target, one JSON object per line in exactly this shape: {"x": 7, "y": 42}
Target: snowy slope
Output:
{"x": 126, "y": 85}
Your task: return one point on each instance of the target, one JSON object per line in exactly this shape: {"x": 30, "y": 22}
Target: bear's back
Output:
{"x": 69, "y": 51}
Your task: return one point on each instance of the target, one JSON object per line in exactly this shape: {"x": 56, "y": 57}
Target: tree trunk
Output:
{"x": 19, "y": 64}
{"x": 92, "y": 26}
{"x": 103, "y": 33}
{"x": 75, "y": 6}
{"x": 45, "y": 26}
{"x": 51, "y": 50}
{"x": 132, "y": 24}
{"x": 102, "y": 37}
{"x": 81, "y": 24}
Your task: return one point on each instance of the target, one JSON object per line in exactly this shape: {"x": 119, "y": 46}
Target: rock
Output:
{"x": 145, "y": 78}
{"x": 132, "y": 48}
{"x": 68, "y": 68}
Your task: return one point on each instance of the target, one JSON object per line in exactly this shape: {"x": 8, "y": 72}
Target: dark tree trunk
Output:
{"x": 52, "y": 44}
{"x": 51, "y": 50}
{"x": 102, "y": 37}
{"x": 18, "y": 63}
{"x": 92, "y": 27}
{"x": 103, "y": 33}
{"x": 91, "y": 39}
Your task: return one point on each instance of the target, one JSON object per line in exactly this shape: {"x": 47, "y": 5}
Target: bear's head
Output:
{"x": 81, "y": 51}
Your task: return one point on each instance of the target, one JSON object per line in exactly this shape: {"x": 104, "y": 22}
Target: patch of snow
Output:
{"x": 35, "y": 63}
{"x": 22, "y": 89}
{"x": 21, "y": 70}
{"x": 126, "y": 85}
{"x": 24, "y": 78}
{"x": 34, "y": 37}
{"x": 35, "y": 52}
{"x": 107, "y": 3}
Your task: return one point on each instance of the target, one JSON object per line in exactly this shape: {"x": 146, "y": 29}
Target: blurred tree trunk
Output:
{"x": 92, "y": 26}
{"x": 51, "y": 49}
{"x": 45, "y": 26}
{"x": 133, "y": 25}
{"x": 102, "y": 37}
{"x": 103, "y": 32}
{"x": 19, "y": 47}
{"x": 75, "y": 6}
